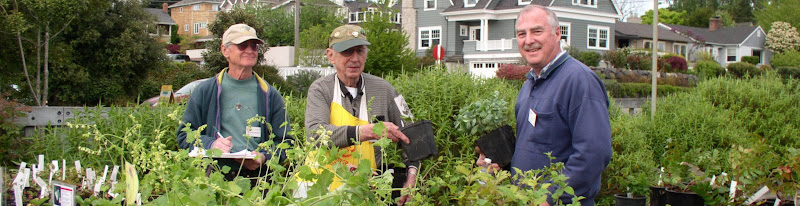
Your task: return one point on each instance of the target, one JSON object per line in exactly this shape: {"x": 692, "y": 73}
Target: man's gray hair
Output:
{"x": 552, "y": 19}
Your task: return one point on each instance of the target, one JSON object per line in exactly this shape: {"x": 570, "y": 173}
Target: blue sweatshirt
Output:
{"x": 571, "y": 121}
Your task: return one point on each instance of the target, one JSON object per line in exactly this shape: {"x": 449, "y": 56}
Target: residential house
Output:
{"x": 635, "y": 35}
{"x": 358, "y": 10}
{"x": 481, "y": 33}
{"x": 193, "y": 16}
{"x": 726, "y": 44}
{"x": 164, "y": 23}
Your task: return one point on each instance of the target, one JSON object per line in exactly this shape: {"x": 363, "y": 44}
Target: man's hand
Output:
{"x": 223, "y": 144}
{"x": 392, "y": 132}
{"x": 481, "y": 162}
{"x": 411, "y": 181}
{"x": 254, "y": 164}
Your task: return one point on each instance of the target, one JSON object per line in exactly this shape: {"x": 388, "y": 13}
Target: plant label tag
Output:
{"x": 63, "y": 194}
{"x": 44, "y": 187}
{"x": 41, "y": 163}
{"x": 532, "y": 118}
{"x": 100, "y": 181}
{"x": 78, "y": 166}
{"x": 64, "y": 171}
{"x": 733, "y": 190}
{"x": 777, "y": 202}
{"x": 758, "y": 194}
{"x": 113, "y": 181}
{"x": 253, "y": 131}
{"x": 400, "y": 101}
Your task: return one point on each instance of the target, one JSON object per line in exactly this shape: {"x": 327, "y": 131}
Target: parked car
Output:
{"x": 179, "y": 57}
{"x": 181, "y": 95}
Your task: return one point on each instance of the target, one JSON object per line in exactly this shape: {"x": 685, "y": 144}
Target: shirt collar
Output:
{"x": 544, "y": 72}
{"x": 358, "y": 85}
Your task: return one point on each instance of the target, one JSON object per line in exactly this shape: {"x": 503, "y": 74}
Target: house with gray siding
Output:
{"x": 726, "y": 44}
{"x": 480, "y": 33}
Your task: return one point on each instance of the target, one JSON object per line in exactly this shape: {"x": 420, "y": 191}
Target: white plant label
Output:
{"x": 64, "y": 172}
{"x": 78, "y": 166}
{"x": 63, "y": 194}
{"x": 758, "y": 194}
{"x": 113, "y": 181}
{"x": 20, "y": 182}
{"x": 100, "y": 181}
{"x": 733, "y": 189}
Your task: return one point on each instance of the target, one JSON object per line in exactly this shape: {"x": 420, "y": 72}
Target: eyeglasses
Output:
{"x": 243, "y": 46}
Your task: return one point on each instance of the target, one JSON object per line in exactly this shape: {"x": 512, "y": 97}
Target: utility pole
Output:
{"x": 654, "y": 57}
{"x": 296, "y": 31}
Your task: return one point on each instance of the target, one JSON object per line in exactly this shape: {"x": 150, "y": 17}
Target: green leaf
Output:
{"x": 463, "y": 170}
{"x": 235, "y": 189}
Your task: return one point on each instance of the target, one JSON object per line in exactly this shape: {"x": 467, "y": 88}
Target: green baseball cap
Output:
{"x": 346, "y": 37}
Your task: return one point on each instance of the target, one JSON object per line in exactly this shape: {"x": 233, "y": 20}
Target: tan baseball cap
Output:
{"x": 347, "y": 36}
{"x": 239, "y": 33}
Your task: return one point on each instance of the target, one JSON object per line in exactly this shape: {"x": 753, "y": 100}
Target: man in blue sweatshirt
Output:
{"x": 562, "y": 108}
{"x": 225, "y": 103}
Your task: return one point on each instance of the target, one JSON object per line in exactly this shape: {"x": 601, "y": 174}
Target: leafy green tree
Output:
{"x": 782, "y": 37}
{"x": 96, "y": 50}
{"x": 388, "y": 51}
{"x": 279, "y": 23}
{"x": 665, "y": 16}
{"x": 313, "y": 42}
{"x": 107, "y": 55}
{"x": 778, "y": 10}
{"x": 699, "y": 17}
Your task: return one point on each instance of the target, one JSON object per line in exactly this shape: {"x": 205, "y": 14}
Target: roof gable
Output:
{"x": 724, "y": 35}
{"x": 192, "y": 2}
{"x": 645, "y": 31}
{"x": 161, "y": 17}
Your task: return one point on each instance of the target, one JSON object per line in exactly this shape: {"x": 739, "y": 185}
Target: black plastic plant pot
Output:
{"x": 421, "y": 141}
{"x": 771, "y": 202}
{"x": 498, "y": 145}
{"x": 624, "y": 200}
{"x": 684, "y": 198}
{"x": 658, "y": 196}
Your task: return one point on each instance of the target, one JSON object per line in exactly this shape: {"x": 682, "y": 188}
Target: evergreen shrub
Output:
{"x": 708, "y": 69}
{"x": 742, "y": 69}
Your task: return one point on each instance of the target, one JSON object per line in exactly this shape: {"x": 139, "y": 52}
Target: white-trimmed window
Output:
{"x": 429, "y": 36}
{"x": 648, "y": 44}
{"x": 731, "y": 54}
{"x": 598, "y": 37}
{"x": 186, "y": 27}
{"x": 462, "y": 30}
{"x": 523, "y": 2}
{"x": 430, "y": 5}
{"x": 679, "y": 49}
{"x": 196, "y": 28}
{"x": 470, "y": 3}
{"x": 197, "y": 7}
{"x": 356, "y": 17}
{"x": 396, "y": 18}
{"x": 589, "y": 3}
{"x": 214, "y": 7}
{"x": 474, "y": 33}
{"x": 565, "y": 28}
{"x": 485, "y": 65}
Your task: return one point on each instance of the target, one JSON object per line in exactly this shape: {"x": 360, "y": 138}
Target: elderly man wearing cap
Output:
{"x": 338, "y": 102}
{"x": 226, "y": 102}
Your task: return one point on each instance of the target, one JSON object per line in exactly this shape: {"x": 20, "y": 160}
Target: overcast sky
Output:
{"x": 644, "y": 5}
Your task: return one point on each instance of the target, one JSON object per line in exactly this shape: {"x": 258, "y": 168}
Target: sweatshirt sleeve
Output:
{"x": 195, "y": 115}
{"x": 279, "y": 120}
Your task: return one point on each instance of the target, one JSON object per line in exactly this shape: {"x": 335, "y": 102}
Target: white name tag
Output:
{"x": 532, "y": 118}
{"x": 254, "y": 131}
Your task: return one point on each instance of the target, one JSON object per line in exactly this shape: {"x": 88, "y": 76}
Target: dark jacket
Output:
{"x": 571, "y": 121}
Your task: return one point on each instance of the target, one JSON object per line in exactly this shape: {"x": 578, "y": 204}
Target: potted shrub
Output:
{"x": 485, "y": 117}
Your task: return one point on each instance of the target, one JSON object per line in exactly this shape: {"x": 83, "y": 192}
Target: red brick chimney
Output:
{"x": 164, "y": 8}
{"x": 714, "y": 23}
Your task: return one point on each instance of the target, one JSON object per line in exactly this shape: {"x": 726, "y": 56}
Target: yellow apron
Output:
{"x": 341, "y": 117}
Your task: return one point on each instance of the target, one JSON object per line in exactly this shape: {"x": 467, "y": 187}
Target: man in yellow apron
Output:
{"x": 338, "y": 103}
